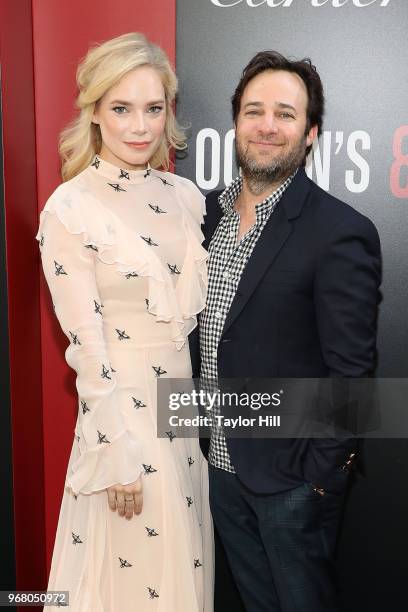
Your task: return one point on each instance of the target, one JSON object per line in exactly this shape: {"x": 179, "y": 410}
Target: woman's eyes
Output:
{"x": 120, "y": 110}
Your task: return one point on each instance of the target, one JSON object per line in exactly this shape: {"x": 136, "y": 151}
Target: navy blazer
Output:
{"x": 306, "y": 307}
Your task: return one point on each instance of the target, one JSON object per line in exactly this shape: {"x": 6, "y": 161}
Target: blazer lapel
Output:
{"x": 273, "y": 237}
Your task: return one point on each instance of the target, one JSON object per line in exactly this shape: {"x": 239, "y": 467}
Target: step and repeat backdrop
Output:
{"x": 360, "y": 50}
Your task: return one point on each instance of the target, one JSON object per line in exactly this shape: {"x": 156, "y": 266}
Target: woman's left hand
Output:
{"x": 126, "y": 499}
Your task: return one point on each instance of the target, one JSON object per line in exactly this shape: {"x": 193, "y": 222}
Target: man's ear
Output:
{"x": 311, "y": 135}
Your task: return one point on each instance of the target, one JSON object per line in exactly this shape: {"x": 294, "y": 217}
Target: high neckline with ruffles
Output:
{"x": 118, "y": 174}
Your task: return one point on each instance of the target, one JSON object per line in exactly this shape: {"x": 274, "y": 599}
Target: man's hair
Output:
{"x": 272, "y": 60}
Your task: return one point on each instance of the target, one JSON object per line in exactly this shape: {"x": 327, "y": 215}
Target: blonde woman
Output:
{"x": 121, "y": 251}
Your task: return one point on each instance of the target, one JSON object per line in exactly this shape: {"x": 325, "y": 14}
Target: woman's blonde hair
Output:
{"x": 104, "y": 66}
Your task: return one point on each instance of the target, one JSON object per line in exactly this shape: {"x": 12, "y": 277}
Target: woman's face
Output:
{"x": 132, "y": 117}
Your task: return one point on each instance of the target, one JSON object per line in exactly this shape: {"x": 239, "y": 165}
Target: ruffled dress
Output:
{"x": 121, "y": 252}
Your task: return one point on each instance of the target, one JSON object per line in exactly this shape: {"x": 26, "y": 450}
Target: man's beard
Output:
{"x": 259, "y": 176}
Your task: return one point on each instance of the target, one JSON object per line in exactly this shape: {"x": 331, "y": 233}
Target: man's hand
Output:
{"x": 126, "y": 499}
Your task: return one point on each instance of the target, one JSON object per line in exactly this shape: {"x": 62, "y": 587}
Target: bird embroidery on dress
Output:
{"x": 96, "y": 163}
{"x": 131, "y": 275}
{"x": 151, "y": 532}
{"x": 59, "y": 269}
{"x": 147, "y": 303}
{"x": 84, "y": 407}
{"x": 98, "y": 308}
{"x": 148, "y": 469}
{"x": 197, "y": 563}
{"x": 105, "y": 372}
{"x": 42, "y": 240}
{"x": 91, "y": 246}
{"x": 112, "y": 370}
{"x": 165, "y": 182}
{"x": 102, "y": 439}
{"x": 74, "y": 338}
{"x": 124, "y": 174}
{"x": 174, "y": 269}
{"x": 159, "y": 371}
{"x": 189, "y": 501}
{"x": 124, "y": 563}
{"x": 116, "y": 187}
{"x": 170, "y": 435}
{"x": 157, "y": 209}
{"x": 148, "y": 171}
{"x": 122, "y": 335}
{"x": 149, "y": 241}
{"x": 76, "y": 539}
{"x": 77, "y": 438}
{"x": 138, "y": 403}
{"x": 190, "y": 461}
{"x": 152, "y": 593}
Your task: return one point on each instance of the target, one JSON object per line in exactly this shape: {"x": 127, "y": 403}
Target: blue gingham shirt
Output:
{"x": 227, "y": 260}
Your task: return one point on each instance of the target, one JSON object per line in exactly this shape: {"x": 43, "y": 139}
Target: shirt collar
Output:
{"x": 228, "y": 197}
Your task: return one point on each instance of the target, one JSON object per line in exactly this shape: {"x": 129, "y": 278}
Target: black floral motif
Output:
{"x": 116, "y": 187}
{"x": 76, "y": 539}
{"x": 148, "y": 469}
{"x": 152, "y": 593}
{"x": 74, "y": 338}
{"x": 122, "y": 335}
{"x": 174, "y": 269}
{"x": 59, "y": 269}
{"x": 138, "y": 403}
{"x": 197, "y": 563}
{"x": 149, "y": 241}
{"x": 124, "y": 174}
{"x": 189, "y": 501}
{"x": 98, "y": 308}
{"x": 105, "y": 372}
{"x": 96, "y": 163}
{"x": 147, "y": 303}
{"x": 151, "y": 532}
{"x": 84, "y": 407}
{"x": 158, "y": 371}
{"x": 170, "y": 435}
{"x": 102, "y": 439}
{"x": 190, "y": 461}
{"x": 131, "y": 275}
{"x": 124, "y": 563}
{"x": 42, "y": 240}
{"x": 112, "y": 370}
{"x": 157, "y": 209}
{"x": 92, "y": 246}
{"x": 147, "y": 173}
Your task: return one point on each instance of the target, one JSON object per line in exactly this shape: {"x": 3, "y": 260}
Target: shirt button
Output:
{"x": 214, "y": 354}
{"x": 218, "y": 314}
{"x": 226, "y": 274}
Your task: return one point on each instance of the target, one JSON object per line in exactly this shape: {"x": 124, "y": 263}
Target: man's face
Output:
{"x": 271, "y": 125}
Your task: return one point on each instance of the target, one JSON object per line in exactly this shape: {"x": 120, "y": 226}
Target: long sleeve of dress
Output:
{"x": 108, "y": 453}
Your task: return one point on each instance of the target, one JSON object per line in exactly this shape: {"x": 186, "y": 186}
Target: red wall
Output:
{"x": 42, "y": 42}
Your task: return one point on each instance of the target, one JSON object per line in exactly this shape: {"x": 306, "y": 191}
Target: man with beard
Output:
{"x": 294, "y": 279}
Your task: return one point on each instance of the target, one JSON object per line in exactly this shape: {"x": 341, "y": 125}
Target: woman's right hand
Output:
{"x": 126, "y": 499}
